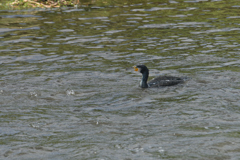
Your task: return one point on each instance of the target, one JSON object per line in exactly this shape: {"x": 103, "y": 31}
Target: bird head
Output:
{"x": 140, "y": 68}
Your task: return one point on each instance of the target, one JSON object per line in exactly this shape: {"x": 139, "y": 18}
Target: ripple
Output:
{"x": 6, "y": 30}
{"x": 73, "y": 10}
{"x": 17, "y": 41}
{"x": 234, "y": 17}
{"x": 23, "y": 29}
{"x": 152, "y": 9}
{"x": 100, "y": 18}
{"x": 217, "y": 30}
{"x": 157, "y": 25}
{"x": 113, "y": 31}
{"x": 82, "y": 40}
{"x": 66, "y": 30}
{"x": 20, "y": 16}
{"x": 138, "y": 15}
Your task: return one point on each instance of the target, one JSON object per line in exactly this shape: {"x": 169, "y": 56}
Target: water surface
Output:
{"x": 67, "y": 90}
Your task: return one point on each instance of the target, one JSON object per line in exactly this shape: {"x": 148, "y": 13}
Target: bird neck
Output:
{"x": 144, "y": 80}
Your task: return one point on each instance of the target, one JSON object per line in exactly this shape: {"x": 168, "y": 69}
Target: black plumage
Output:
{"x": 158, "y": 81}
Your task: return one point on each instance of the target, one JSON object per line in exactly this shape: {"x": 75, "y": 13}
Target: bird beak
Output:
{"x": 135, "y": 68}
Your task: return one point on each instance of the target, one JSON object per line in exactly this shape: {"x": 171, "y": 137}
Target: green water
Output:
{"x": 67, "y": 89}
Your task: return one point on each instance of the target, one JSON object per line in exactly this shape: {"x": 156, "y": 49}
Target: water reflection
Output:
{"x": 65, "y": 87}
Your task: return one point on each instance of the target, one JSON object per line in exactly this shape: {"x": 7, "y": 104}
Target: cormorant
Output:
{"x": 158, "y": 81}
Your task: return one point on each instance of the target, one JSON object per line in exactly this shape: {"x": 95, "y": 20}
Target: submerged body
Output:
{"x": 158, "y": 81}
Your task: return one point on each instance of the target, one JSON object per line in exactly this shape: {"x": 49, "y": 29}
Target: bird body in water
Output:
{"x": 156, "y": 82}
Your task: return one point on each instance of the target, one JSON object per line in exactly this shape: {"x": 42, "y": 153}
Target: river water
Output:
{"x": 67, "y": 89}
